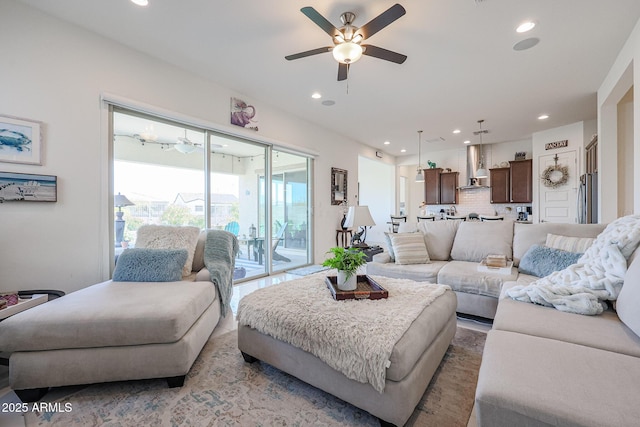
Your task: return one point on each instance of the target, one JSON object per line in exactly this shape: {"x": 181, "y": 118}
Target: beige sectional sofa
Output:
{"x": 543, "y": 367}
{"x": 455, "y": 249}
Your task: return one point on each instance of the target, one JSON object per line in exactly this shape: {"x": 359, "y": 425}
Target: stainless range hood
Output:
{"x": 473, "y": 158}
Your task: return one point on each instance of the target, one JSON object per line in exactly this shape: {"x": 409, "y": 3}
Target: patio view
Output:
{"x": 159, "y": 172}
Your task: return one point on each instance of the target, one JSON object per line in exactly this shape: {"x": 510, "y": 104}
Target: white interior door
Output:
{"x": 559, "y": 204}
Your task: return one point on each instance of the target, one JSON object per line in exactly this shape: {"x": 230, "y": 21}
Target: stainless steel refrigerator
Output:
{"x": 588, "y": 199}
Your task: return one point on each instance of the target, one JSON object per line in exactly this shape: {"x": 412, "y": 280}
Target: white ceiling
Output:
{"x": 460, "y": 68}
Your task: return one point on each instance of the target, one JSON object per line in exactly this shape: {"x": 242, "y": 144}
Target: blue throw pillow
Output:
{"x": 541, "y": 261}
{"x": 150, "y": 265}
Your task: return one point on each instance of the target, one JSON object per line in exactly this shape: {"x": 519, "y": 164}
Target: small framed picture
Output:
{"x": 28, "y": 187}
{"x": 20, "y": 141}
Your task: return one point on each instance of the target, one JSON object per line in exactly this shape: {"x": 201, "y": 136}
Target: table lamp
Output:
{"x": 120, "y": 201}
{"x": 359, "y": 216}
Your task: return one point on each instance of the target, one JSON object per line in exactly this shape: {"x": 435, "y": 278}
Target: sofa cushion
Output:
{"x": 198, "y": 254}
{"x": 170, "y": 237}
{"x": 525, "y": 235}
{"x": 110, "y": 314}
{"x": 475, "y": 240}
{"x": 418, "y": 272}
{"x": 409, "y": 248}
{"x": 439, "y": 236}
{"x": 541, "y": 261}
{"x": 150, "y": 265}
{"x": 628, "y": 304}
{"x": 464, "y": 276}
{"x": 604, "y": 331}
{"x": 569, "y": 243}
{"x": 532, "y": 381}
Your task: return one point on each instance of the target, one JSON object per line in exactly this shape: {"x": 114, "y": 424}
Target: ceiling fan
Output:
{"x": 347, "y": 41}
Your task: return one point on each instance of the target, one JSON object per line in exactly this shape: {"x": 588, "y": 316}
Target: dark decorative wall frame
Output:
{"x": 338, "y": 186}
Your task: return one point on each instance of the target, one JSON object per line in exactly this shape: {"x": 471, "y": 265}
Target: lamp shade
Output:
{"x": 120, "y": 201}
{"x": 419, "y": 176}
{"x": 481, "y": 173}
{"x": 358, "y": 216}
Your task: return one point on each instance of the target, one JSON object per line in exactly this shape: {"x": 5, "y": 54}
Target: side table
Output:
{"x": 23, "y": 304}
{"x": 345, "y": 234}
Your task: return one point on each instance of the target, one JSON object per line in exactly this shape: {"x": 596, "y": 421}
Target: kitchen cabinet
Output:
{"x": 521, "y": 177}
{"x": 432, "y": 186}
{"x": 448, "y": 188}
{"x": 500, "y": 185}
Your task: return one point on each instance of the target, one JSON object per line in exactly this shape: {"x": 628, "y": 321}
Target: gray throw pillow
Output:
{"x": 541, "y": 261}
{"x": 150, "y": 265}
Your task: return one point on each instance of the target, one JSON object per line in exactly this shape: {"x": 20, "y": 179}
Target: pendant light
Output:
{"x": 419, "y": 175}
{"x": 482, "y": 171}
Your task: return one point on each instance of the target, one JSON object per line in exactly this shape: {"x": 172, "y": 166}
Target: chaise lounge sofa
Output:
{"x": 120, "y": 330}
{"x": 455, "y": 249}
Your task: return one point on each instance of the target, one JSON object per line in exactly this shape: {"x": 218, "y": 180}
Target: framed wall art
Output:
{"x": 28, "y": 187}
{"x": 20, "y": 140}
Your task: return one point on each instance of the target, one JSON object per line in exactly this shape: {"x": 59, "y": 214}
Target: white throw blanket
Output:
{"x": 598, "y": 274}
{"x": 355, "y": 337}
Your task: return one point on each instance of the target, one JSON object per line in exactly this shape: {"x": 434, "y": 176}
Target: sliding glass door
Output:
{"x": 163, "y": 175}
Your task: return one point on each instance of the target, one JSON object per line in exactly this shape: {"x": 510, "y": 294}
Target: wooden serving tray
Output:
{"x": 367, "y": 288}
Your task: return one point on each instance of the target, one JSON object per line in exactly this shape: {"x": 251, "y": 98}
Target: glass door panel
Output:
{"x": 237, "y": 169}
{"x": 290, "y": 211}
{"x": 158, "y": 175}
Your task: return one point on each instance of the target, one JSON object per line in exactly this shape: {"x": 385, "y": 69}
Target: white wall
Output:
{"x": 625, "y": 155}
{"x": 56, "y": 74}
{"x": 622, "y": 76}
{"x": 377, "y": 190}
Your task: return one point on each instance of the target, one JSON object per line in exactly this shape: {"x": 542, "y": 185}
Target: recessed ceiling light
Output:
{"x": 403, "y": 150}
{"x": 456, "y": 131}
{"x": 467, "y": 142}
{"x": 316, "y": 95}
{"x": 140, "y": 2}
{"x": 525, "y": 26}
{"x": 526, "y": 43}
{"x": 543, "y": 117}
{"x": 328, "y": 102}
{"x": 387, "y": 143}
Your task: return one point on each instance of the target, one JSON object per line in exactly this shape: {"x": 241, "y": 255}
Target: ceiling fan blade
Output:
{"x": 343, "y": 71}
{"x": 308, "y": 53}
{"x": 320, "y": 21}
{"x": 381, "y": 21}
{"x": 387, "y": 55}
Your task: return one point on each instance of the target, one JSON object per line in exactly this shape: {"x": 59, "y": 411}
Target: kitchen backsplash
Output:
{"x": 477, "y": 201}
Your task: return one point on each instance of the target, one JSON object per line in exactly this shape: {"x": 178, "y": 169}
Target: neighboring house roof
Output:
{"x": 215, "y": 198}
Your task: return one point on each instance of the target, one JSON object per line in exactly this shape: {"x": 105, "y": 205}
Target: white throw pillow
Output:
{"x": 568, "y": 243}
{"x": 170, "y": 237}
{"x": 409, "y": 248}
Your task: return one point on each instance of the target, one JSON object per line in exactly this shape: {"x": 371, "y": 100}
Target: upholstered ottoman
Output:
{"x": 299, "y": 328}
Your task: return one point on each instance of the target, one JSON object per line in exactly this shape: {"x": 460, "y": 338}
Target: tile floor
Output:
{"x": 226, "y": 324}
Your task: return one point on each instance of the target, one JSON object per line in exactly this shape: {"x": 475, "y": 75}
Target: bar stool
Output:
{"x": 395, "y": 222}
{"x": 427, "y": 218}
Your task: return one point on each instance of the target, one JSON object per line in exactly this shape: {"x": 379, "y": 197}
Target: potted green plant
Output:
{"x": 346, "y": 261}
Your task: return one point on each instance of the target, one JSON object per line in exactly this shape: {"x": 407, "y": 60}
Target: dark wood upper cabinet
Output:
{"x": 500, "y": 185}
{"x": 448, "y": 188}
{"x": 521, "y": 178}
{"x": 432, "y": 186}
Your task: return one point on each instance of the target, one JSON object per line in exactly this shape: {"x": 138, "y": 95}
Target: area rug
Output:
{"x": 310, "y": 269}
{"x": 222, "y": 390}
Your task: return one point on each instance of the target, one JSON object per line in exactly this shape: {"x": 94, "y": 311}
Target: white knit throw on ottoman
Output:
{"x": 354, "y": 337}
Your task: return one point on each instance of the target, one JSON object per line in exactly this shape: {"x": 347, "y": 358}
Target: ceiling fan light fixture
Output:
{"x": 347, "y": 53}
{"x": 184, "y": 148}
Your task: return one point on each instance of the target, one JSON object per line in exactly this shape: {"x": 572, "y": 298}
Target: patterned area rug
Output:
{"x": 222, "y": 390}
